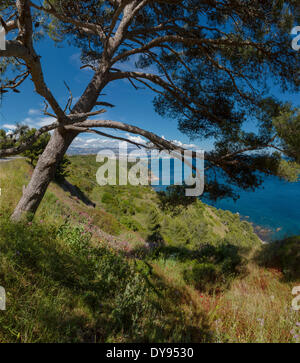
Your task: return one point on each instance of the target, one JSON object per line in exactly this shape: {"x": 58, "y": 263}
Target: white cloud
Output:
{"x": 137, "y": 139}
{"x": 28, "y": 121}
{"x": 190, "y": 146}
{"x": 181, "y": 144}
{"x": 90, "y": 143}
{"x": 100, "y": 142}
{"x": 45, "y": 121}
{"x": 9, "y": 126}
{"x": 78, "y": 140}
{"x": 34, "y": 112}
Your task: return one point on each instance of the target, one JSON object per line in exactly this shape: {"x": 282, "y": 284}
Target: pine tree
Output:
{"x": 209, "y": 63}
{"x": 154, "y": 227}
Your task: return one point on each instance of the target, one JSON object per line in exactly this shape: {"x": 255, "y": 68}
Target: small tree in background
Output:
{"x": 38, "y": 148}
{"x": 6, "y": 141}
{"x": 32, "y": 154}
{"x": 154, "y": 227}
{"x": 174, "y": 197}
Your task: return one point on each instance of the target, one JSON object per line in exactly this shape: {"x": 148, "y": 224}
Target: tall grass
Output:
{"x": 207, "y": 280}
{"x": 60, "y": 288}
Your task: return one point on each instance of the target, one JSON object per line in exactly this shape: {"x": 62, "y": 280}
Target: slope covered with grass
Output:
{"x": 135, "y": 208}
{"x": 133, "y": 268}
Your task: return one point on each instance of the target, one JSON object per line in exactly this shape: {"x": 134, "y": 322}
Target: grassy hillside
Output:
{"x": 135, "y": 268}
{"x": 133, "y": 207}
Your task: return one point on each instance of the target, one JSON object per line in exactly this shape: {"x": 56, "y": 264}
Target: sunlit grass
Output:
{"x": 65, "y": 283}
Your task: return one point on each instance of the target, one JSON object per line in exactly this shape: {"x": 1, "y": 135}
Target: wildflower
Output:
{"x": 297, "y": 324}
{"x": 41, "y": 221}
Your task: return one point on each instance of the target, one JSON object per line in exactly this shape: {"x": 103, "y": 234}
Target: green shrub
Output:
{"x": 127, "y": 207}
{"x": 214, "y": 267}
{"x": 75, "y": 237}
{"x": 107, "y": 198}
{"x": 283, "y": 255}
{"x": 107, "y": 222}
{"x": 131, "y": 224}
{"x": 202, "y": 276}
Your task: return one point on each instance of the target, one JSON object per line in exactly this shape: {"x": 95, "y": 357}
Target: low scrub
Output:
{"x": 214, "y": 268}
{"x": 283, "y": 255}
{"x": 62, "y": 288}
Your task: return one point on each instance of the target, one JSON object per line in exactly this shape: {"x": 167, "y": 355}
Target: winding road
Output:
{"x": 5, "y": 160}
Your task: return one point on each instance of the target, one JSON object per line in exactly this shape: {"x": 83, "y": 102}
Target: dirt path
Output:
{"x": 115, "y": 242}
{"x": 5, "y": 160}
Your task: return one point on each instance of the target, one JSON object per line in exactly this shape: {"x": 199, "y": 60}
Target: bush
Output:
{"x": 283, "y": 255}
{"x": 127, "y": 207}
{"x": 154, "y": 227}
{"x": 107, "y": 222}
{"x": 107, "y": 198}
{"x": 131, "y": 224}
{"x": 214, "y": 268}
{"x": 202, "y": 276}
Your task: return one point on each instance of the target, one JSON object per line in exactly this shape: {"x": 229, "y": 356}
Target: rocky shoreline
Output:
{"x": 265, "y": 234}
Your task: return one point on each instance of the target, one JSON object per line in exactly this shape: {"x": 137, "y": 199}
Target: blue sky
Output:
{"x": 135, "y": 107}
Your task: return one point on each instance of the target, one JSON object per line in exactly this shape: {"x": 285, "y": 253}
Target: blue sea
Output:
{"x": 273, "y": 209}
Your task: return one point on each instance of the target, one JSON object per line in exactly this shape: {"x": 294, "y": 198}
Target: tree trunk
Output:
{"x": 61, "y": 139}
{"x": 43, "y": 173}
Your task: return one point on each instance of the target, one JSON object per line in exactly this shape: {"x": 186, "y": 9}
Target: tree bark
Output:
{"x": 60, "y": 140}
{"x": 43, "y": 173}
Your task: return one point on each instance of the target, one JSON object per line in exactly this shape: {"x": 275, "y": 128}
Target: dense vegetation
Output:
{"x": 135, "y": 268}
{"x": 135, "y": 209}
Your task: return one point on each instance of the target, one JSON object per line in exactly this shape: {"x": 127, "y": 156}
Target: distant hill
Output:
{"x": 73, "y": 150}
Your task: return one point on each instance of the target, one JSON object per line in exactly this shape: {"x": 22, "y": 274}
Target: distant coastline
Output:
{"x": 273, "y": 209}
